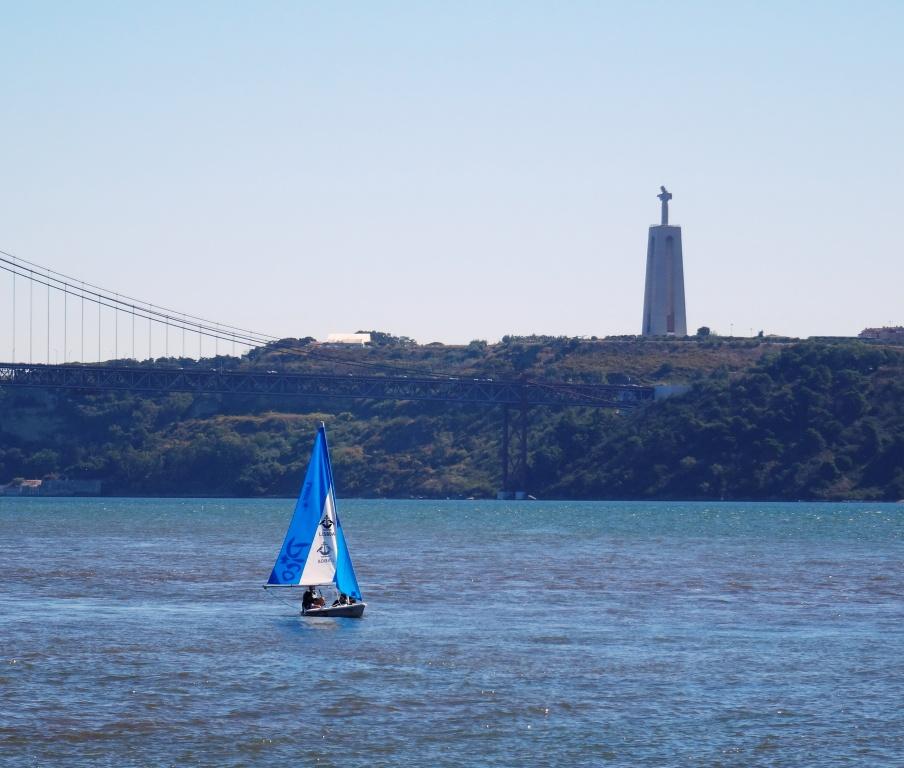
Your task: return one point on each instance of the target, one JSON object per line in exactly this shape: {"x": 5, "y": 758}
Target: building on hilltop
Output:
{"x": 342, "y": 339}
{"x": 890, "y": 333}
{"x": 663, "y": 298}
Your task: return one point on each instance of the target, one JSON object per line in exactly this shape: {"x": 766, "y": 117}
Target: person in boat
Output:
{"x": 310, "y": 600}
{"x": 341, "y": 600}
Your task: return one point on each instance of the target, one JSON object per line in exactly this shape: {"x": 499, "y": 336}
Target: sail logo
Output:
{"x": 293, "y": 559}
{"x": 295, "y": 551}
{"x": 324, "y": 549}
{"x": 326, "y": 523}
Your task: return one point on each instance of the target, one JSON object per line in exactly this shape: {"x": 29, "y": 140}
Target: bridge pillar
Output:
{"x": 504, "y": 454}
{"x": 522, "y": 464}
{"x": 514, "y": 469}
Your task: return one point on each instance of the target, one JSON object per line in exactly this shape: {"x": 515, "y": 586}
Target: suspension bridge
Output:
{"x": 66, "y": 333}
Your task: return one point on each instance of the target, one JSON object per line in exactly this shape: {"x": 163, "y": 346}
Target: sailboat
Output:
{"x": 314, "y": 553}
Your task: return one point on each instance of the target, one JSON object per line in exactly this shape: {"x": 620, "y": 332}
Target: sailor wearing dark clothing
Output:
{"x": 307, "y": 599}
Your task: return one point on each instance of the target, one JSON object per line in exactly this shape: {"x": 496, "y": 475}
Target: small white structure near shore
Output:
{"x": 51, "y": 487}
{"x": 355, "y": 339}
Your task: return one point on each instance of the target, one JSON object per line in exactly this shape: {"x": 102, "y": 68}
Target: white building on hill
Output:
{"x": 359, "y": 339}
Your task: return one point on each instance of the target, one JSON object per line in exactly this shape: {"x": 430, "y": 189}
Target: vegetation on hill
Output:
{"x": 632, "y": 359}
{"x": 762, "y": 420}
{"x": 813, "y": 422}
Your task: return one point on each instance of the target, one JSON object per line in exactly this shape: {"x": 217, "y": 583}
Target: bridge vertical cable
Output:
{"x": 14, "y": 318}
{"x": 81, "y": 356}
{"x": 31, "y": 285}
{"x": 65, "y": 323}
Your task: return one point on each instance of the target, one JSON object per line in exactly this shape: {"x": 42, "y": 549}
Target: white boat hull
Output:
{"x": 343, "y": 611}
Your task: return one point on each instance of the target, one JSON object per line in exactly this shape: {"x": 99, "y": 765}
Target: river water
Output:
{"x": 135, "y": 632}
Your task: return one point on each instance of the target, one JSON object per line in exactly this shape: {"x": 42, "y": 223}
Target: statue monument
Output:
{"x": 665, "y": 196}
{"x": 663, "y": 299}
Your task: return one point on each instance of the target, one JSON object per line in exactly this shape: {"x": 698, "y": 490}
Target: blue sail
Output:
{"x": 345, "y": 572}
{"x": 308, "y": 511}
{"x": 315, "y": 547}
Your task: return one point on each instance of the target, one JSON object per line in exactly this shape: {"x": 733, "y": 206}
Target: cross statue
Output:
{"x": 665, "y": 197}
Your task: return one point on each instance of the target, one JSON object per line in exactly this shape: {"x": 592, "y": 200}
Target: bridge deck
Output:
{"x": 280, "y": 384}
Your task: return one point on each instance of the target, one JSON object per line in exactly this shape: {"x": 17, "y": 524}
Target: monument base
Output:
{"x": 663, "y": 304}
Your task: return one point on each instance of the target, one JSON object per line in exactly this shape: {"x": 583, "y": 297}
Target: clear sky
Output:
{"x": 460, "y": 170}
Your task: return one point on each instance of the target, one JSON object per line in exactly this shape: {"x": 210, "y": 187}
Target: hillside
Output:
{"x": 762, "y": 420}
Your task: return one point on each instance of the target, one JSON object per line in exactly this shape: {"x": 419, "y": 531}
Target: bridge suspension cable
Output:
{"x": 104, "y": 298}
{"x": 127, "y": 301}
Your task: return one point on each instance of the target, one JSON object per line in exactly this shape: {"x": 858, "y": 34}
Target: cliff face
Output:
{"x": 810, "y": 420}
